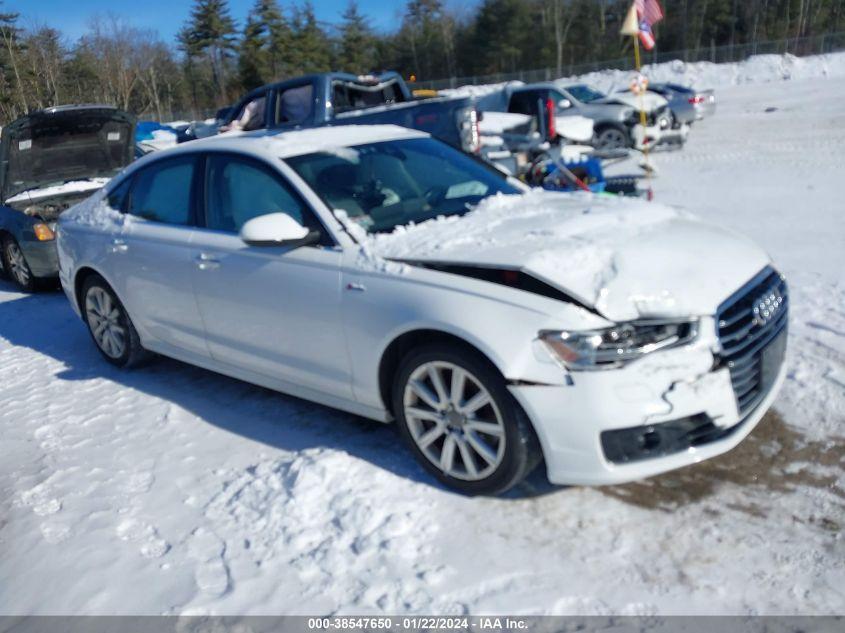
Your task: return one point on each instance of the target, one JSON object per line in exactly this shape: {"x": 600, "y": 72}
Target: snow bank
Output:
{"x": 755, "y": 70}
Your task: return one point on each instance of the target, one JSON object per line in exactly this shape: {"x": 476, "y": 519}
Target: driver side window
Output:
{"x": 238, "y": 190}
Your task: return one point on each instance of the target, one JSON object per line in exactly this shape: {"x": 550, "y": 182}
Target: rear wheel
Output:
{"x": 463, "y": 425}
{"x": 109, "y": 324}
{"x": 16, "y": 266}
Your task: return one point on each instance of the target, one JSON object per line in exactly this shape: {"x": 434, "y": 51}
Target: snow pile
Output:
{"x": 754, "y": 70}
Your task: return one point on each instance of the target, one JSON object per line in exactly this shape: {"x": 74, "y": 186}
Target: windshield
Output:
{"x": 384, "y": 185}
{"x": 585, "y": 94}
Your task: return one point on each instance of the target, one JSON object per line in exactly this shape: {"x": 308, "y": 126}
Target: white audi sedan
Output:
{"x": 380, "y": 271}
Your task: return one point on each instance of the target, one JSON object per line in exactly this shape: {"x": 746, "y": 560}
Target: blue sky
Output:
{"x": 167, "y": 16}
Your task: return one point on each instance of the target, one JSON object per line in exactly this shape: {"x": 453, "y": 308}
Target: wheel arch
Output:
{"x": 400, "y": 345}
{"x": 82, "y": 274}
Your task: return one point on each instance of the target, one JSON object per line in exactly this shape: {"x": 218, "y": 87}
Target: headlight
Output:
{"x": 43, "y": 233}
{"x": 614, "y": 346}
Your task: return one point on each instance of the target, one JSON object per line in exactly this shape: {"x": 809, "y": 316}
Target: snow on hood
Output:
{"x": 627, "y": 258}
{"x": 74, "y": 186}
{"x": 648, "y": 101}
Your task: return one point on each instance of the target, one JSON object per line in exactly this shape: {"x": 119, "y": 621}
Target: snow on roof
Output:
{"x": 308, "y": 141}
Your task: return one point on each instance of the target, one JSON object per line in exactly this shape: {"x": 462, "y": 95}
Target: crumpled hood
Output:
{"x": 650, "y": 101}
{"x": 626, "y": 258}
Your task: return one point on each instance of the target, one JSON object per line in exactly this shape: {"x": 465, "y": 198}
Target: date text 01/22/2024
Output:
{"x": 418, "y": 623}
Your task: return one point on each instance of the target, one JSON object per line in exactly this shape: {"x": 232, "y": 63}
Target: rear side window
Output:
{"x": 294, "y": 105}
{"x": 238, "y": 190}
{"x": 162, "y": 192}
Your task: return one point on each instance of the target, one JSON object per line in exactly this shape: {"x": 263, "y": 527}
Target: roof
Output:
{"x": 305, "y": 141}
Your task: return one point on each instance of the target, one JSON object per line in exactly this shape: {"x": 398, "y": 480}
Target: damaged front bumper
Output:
{"x": 662, "y": 412}
{"x": 655, "y": 135}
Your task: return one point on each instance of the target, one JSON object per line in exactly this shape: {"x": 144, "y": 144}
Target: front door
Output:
{"x": 271, "y": 310}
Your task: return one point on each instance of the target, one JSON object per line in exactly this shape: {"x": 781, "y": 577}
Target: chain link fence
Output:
{"x": 815, "y": 45}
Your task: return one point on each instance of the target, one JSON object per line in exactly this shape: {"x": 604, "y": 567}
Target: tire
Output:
{"x": 611, "y": 137}
{"x": 16, "y": 266}
{"x": 109, "y": 324}
{"x": 498, "y": 429}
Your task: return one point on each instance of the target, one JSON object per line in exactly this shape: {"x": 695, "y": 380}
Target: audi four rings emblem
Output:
{"x": 767, "y": 306}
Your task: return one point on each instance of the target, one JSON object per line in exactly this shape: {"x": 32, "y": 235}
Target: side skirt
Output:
{"x": 269, "y": 382}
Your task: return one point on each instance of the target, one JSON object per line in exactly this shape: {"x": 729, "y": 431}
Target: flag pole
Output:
{"x": 643, "y": 120}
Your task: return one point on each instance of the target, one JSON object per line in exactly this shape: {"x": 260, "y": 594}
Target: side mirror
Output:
{"x": 564, "y": 104}
{"x": 277, "y": 229}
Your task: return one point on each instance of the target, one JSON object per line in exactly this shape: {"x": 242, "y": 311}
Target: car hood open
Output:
{"x": 627, "y": 259}
{"x": 66, "y": 143}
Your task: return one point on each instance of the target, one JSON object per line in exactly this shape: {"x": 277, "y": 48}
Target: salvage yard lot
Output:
{"x": 170, "y": 489}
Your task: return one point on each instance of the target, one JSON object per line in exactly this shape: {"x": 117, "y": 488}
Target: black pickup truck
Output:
{"x": 342, "y": 98}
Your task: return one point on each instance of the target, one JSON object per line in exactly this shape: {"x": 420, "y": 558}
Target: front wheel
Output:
{"x": 16, "y": 266}
{"x": 454, "y": 410}
{"x": 109, "y": 324}
{"x": 611, "y": 138}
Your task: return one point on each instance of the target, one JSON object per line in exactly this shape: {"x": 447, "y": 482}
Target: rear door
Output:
{"x": 151, "y": 256}
{"x": 270, "y": 310}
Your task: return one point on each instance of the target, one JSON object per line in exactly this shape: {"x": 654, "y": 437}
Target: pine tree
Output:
{"x": 357, "y": 43}
{"x": 279, "y": 39}
{"x": 312, "y": 52}
{"x": 211, "y": 30}
{"x": 252, "y": 56}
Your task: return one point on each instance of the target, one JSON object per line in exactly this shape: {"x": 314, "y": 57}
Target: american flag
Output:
{"x": 650, "y": 12}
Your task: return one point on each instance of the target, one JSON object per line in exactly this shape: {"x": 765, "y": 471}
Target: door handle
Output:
{"x": 207, "y": 262}
{"x": 119, "y": 246}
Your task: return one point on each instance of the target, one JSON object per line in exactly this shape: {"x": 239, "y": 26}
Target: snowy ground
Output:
{"x": 173, "y": 490}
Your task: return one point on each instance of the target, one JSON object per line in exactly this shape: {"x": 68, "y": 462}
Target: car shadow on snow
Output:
{"x": 44, "y": 322}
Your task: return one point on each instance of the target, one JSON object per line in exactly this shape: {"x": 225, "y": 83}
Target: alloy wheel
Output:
{"x": 17, "y": 264}
{"x": 104, "y": 319}
{"x": 454, "y": 420}
{"x": 612, "y": 139}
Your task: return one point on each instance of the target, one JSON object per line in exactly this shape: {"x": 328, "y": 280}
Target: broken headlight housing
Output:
{"x": 612, "y": 347}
